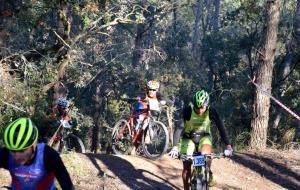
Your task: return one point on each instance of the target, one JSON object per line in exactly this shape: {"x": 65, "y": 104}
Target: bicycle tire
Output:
{"x": 121, "y": 138}
{"x": 74, "y": 143}
{"x": 155, "y": 141}
{"x": 57, "y": 146}
{"x": 198, "y": 183}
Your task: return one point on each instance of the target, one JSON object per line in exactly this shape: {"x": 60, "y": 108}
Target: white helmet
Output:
{"x": 153, "y": 84}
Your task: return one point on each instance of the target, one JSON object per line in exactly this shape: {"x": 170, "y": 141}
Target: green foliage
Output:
{"x": 102, "y": 59}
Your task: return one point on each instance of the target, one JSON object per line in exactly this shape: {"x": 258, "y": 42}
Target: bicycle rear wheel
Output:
{"x": 74, "y": 143}
{"x": 121, "y": 138}
{"x": 155, "y": 140}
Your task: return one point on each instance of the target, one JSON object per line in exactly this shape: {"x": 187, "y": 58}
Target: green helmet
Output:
{"x": 201, "y": 98}
{"x": 20, "y": 134}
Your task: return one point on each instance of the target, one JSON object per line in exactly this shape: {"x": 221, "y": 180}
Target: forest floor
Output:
{"x": 265, "y": 170}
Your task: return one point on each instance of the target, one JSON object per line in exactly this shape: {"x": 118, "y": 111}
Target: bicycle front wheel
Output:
{"x": 121, "y": 138}
{"x": 74, "y": 143}
{"x": 155, "y": 140}
{"x": 58, "y": 146}
{"x": 198, "y": 182}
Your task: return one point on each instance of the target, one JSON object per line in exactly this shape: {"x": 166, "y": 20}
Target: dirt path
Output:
{"x": 272, "y": 170}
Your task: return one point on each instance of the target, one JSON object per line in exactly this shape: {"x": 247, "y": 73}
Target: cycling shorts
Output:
{"x": 187, "y": 146}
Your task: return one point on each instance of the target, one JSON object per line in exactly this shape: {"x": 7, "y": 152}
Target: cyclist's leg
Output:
{"x": 186, "y": 174}
{"x": 135, "y": 146}
{"x": 187, "y": 147}
{"x": 205, "y": 146}
{"x": 133, "y": 151}
{"x": 120, "y": 131}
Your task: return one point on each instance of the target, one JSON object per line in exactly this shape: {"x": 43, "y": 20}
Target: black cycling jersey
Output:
{"x": 53, "y": 163}
{"x": 214, "y": 117}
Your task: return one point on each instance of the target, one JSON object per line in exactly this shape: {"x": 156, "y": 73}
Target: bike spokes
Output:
{"x": 121, "y": 138}
{"x": 74, "y": 143}
{"x": 155, "y": 141}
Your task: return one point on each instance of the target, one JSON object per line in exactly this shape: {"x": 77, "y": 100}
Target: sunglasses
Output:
{"x": 152, "y": 90}
{"x": 61, "y": 107}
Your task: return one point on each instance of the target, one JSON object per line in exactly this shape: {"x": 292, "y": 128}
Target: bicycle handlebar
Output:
{"x": 211, "y": 156}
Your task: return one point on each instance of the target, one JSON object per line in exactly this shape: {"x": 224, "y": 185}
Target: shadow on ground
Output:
{"x": 131, "y": 177}
{"x": 275, "y": 171}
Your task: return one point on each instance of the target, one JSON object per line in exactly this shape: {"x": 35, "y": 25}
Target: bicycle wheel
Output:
{"x": 74, "y": 143}
{"x": 155, "y": 140}
{"x": 198, "y": 182}
{"x": 57, "y": 145}
{"x": 121, "y": 138}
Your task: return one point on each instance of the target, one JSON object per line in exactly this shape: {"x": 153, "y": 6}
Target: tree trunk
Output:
{"x": 196, "y": 34}
{"x": 291, "y": 58}
{"x": 216, "y": 16}
{"x": 264, "y": 72}
{"x": 138, "y": 50}
{"x": 97, "y": 118}
{"x": 175, "y": 30}
{"x": 174, "y": 10}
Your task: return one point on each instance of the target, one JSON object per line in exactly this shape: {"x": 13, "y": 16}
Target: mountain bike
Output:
{"x": 152, "y": 134}
{"x": 200, "y": 173}
{"x": 64, "y": 140}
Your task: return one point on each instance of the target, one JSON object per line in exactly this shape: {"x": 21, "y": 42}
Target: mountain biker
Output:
{"x": 31, "y": 165}
{"x": 196, "y": 130}
{"x": 61, "y": 111}
{"x": 57, "y": 115}
{"x": 150, "y": 100}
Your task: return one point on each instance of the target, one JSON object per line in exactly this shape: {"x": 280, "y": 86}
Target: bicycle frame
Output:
{"x": 136, "y": 134}
{"x": 198, "y": 169}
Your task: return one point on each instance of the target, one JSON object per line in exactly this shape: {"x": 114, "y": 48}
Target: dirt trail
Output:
{"x": 267, "y": 170}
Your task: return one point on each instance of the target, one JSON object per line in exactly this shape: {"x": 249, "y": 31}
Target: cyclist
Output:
{"x": 58, "y": 115}
{"x": 31, "y": 165}
{"x": 61, "y": 112}
{"x": 196, "y": 132}
{"x": 150, "y": 100}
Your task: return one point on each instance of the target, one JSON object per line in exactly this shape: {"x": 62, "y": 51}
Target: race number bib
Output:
{"x": 66, "y": 124}
{"x": 198, "y": 160}
{"x": 154, "y": 104}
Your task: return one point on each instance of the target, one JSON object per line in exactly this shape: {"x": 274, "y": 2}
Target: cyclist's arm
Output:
{"x": 187, "y": 111}
{"x": 214, "y": 116}
{"x": 53, "y": 163}
{"x": 4, "y": 158}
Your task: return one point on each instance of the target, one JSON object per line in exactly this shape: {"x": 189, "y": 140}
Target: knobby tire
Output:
{"x": 72, "y": 142}
{"x": 150, "y": 149}
{"x": 121, "y": 138}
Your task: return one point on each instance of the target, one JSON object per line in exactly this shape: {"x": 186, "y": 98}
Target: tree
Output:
{"x": 292, "y": 57}
{"x": 264, "y": 72}
{"x": 216, "y": 15}
{"x": 196, "y": 34}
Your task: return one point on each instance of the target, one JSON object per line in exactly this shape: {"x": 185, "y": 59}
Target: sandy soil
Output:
{"x": 265, "y": 170}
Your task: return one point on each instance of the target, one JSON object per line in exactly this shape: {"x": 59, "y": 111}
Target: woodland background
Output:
{"x": 94, "y": 52}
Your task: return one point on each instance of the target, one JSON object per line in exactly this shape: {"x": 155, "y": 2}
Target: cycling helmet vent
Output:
{"x": 20, "y": 134}
{"x": 201, "y": 98}
{"x": 63, "y": 102}
{"x": 153, "y": 84}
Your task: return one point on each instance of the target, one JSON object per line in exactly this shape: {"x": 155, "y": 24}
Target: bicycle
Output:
{"x": 200, "y": 172}
{"x": 64, "y": 140}
{"x": 152, "y": 133}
